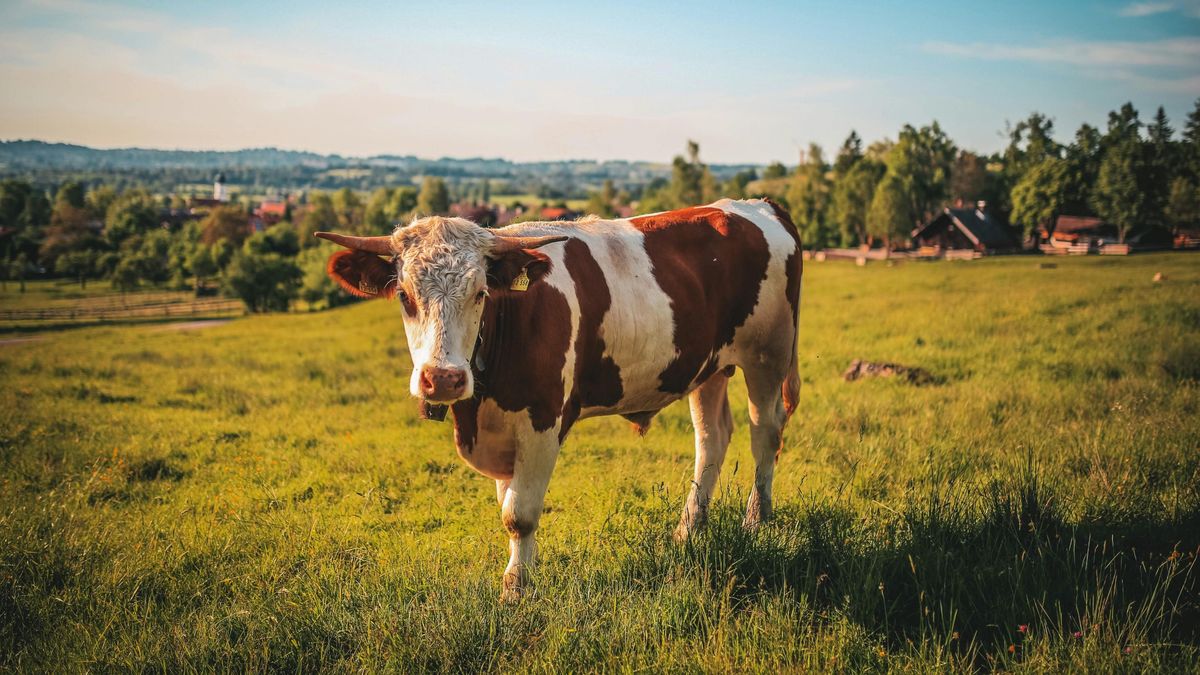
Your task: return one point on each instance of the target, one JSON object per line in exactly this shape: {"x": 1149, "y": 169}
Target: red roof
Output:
{"x": 557, "y": 213}
{"x": 273, "y": 208}
{"x": 1070, "y": 224}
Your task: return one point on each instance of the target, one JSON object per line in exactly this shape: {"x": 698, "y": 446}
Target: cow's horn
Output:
{"x": 377, "y": 245}
{"x": 504, "y": 244}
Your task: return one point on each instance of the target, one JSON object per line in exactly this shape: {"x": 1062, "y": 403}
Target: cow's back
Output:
{"x": 667, "y": 299}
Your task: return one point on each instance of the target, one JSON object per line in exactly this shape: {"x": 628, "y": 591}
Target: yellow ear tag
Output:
{"x": 520, "y": 282}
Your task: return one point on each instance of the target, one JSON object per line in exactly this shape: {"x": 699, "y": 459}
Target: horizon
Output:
{"x": 542, "y": 83}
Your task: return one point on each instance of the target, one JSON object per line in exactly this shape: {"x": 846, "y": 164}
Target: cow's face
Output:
{"x": 439, "y": 269}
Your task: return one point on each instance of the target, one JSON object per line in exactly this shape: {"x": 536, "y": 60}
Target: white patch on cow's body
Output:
{"x": 638, "y": 329}
{"x": 758, "y": 338}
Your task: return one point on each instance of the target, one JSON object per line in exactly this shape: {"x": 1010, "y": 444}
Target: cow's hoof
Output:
{"x": 513, "y": 589}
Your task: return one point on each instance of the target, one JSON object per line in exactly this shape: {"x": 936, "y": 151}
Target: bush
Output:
{"x": 266, "y": 282}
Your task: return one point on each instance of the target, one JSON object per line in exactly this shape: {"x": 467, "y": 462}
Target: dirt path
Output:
{"x": 193, "y": 325}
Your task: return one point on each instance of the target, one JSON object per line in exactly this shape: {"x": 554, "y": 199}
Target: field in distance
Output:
{"x": 262, "y": 496}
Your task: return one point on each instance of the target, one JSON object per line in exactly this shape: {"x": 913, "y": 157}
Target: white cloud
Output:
{"x": 1146, "y": 8}
{"x": 1140, "y": 9}
{"x": 1172, "y": 52}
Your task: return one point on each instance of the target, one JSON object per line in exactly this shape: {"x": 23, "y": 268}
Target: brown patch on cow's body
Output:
{"x": 711, "y": 264}
{"x": 597, "y": 377}
{"x": 524, "y": 338}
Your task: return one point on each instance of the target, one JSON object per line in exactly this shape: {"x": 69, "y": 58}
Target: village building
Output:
{"x": 970, "y": 230}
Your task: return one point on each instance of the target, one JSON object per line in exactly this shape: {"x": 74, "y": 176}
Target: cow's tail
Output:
{"x": 791, "y": 387}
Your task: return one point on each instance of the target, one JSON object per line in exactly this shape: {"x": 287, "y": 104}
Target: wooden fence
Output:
{"x": 105, "y": 309}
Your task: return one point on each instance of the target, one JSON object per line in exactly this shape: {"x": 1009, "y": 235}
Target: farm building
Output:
{"x": 1085, "y": 234}
{"x": 965, "y": 229}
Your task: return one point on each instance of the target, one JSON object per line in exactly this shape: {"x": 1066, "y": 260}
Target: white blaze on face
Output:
{"x": 443, "y": 279}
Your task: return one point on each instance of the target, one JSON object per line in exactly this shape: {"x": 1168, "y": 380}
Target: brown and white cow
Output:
{"x": 619, "y": 317}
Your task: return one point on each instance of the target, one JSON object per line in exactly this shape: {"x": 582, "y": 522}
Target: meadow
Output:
{"x": 261, "y": 496}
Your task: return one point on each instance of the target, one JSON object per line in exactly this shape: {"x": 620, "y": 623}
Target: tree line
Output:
{"x": 1131, "y": 174}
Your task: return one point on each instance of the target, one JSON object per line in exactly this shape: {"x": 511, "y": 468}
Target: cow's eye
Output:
{"x": 403, "y": 297}
{"x": 480, "y": 296}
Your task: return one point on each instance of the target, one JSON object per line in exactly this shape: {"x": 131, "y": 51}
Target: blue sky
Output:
{"x": 751, "y": 82}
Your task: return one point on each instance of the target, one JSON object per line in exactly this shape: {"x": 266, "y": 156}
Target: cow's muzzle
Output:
{"x": 442, "y": 385}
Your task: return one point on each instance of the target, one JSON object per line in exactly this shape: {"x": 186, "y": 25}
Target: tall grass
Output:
{"x": 261, "y": 496}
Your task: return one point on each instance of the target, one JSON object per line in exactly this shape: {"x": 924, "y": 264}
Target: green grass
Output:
{"x": 261, "y": 496}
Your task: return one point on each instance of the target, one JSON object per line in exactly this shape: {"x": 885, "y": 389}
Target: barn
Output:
{"x": 965, "y": 229}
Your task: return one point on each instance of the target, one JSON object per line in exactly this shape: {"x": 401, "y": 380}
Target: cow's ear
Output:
{"x": 363, "y": 274}
{"x": 507, "y": 266}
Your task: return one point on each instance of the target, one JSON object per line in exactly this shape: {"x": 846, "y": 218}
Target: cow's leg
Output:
{"x": 767, "y": 418}
{"x": 713, "y": 424}
{"x": 501, "y": 490}
{"x": 522, "y": 506}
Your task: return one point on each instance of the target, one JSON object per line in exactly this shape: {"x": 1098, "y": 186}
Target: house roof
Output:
{"x": 1073, "y": 224}
{"x": 977, "y": 225}
{"x": 274, "y": 208}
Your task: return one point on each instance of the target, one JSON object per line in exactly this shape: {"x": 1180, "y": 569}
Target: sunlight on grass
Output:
{"x": 262, "y": 496}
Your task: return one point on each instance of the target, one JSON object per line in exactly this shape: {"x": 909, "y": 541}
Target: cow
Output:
{"x": 527, "y": 329}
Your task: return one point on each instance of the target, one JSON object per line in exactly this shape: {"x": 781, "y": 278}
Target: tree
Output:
{"x": 266, "y": 282}
{"x": 888, "y": 218}
{"x": 808, "y": 197}
{"x": 852, "y": 196}
{"x": 1183, "y": 204}
{"x": 1124, "y": 193}
{"x": 77, "y": 264}
{"x": 99, "y": 199}
{"x": 735, "y": 187}
{"x": 280, "y": 239}
{"x": 1083, "y": 157}
{"x": 317, "y": 288}
{"x": 1118, "y": 196}
{"x": 921, "y": 161}
{"x": 434, "y": 198}
{"x": 70, "y": 193}
{"x": 968, "y": 178}
{"x": 1161, "y": 162}
{"x": 849, "y": 154}
{"x": 1039, "y": 197}
{"x": 133, "y": 212}
{"x": 1190, "y": 146}
{"x": 349, "y": 209}
{"x": 225, "y": 223}
{"x": 774, "y": 170}
{"x": 125, "y": 275}
{"x": 203, "y": 264}
{"x": 603, "y": 202}
{"x": 70, "y": 229}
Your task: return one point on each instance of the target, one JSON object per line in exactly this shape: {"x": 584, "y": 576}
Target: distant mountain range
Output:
{"x": 168, "y": 171}
{"x": 24, "y": 155}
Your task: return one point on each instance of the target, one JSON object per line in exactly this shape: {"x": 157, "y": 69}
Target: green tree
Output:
{"x": 921, "y": 161}
{"x": 133, "y": 212}
{"x": 78, "y": 264}
{"x": 1118, "y": 196}
{"x": 99, "y": 199}
{"x": 434, "y": 198}
{"x": 125, "y": 275}
{"x": 848, "y": 155}
{"x": 735, "y": 187}
{"x": 1183, "y": 204}
{"x": 1123, "y": 194}
{"x": 691, "y": 183}
{"x": 349, "y": 209}
{"x": 1083, "y": 157}
{"x": 1161, "y": 161}
{"x": 266, "y": 282}
{"x": 225, "y": 223}
{"x": 321, "y": 216}
{"x": 603, "y": 202}
{"x": 1190, "y": 145}
{"x": 774, "y": 171}
{"x": 203, "y": 263}
{"x": 888, "y": 218}
{"x": 1038, "y": 198}
{"x": 808, "y": 198}
{"x": 852, "y": 196}
{"x": 316, "y": 288}
{"x": 280, "y": 239}
{"x": 71, "y": 193}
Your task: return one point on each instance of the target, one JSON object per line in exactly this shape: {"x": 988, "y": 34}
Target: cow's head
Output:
{"x": 441, "y": 270}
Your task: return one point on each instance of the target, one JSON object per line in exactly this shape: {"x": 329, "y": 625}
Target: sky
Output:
{"x": 751, "y": 82}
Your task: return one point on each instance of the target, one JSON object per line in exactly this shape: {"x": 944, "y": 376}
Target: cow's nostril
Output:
{"x": 426, "y": 381}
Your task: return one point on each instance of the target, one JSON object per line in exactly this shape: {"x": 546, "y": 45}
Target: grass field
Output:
{"x": 261, "y": 496}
